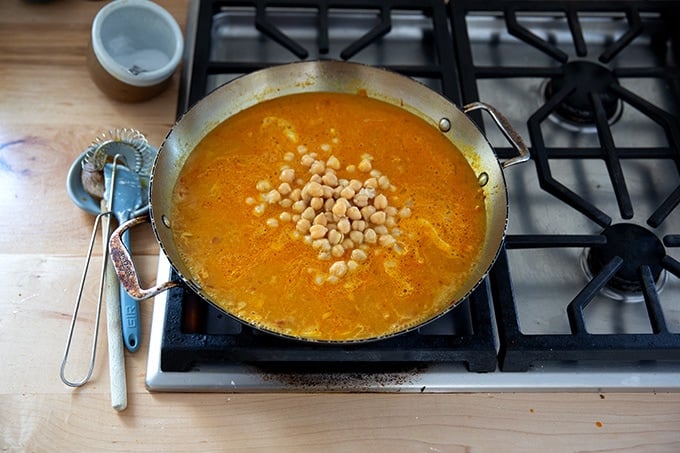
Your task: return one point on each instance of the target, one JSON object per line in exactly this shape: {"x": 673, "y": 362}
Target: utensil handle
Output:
{"x": 117, "y": 376}
{"x": 125, "y": 268}
{"x": 506, "y": 128}
{"x": 129, "y": 309}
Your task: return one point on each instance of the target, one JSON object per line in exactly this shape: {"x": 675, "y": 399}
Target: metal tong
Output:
{"x": 104, "y": 215}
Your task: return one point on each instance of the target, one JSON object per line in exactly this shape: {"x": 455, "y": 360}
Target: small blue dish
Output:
{"x": 75, "y": 189}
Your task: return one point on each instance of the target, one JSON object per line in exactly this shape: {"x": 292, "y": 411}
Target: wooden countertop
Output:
{"x": 50, "y": 110}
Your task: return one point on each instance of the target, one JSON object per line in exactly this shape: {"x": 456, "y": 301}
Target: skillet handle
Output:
{"x": 506, "y": 128}
{"x": 125, "y": 268}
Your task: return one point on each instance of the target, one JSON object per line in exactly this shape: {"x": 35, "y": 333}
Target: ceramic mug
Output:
{"x": 135, "y": 47}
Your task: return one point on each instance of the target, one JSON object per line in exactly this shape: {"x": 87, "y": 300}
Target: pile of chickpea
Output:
{"x": 341, "y": 218}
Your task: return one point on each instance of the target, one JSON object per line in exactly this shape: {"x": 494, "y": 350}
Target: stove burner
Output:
{"x": 637, "y": 246}
{"x": 587, "y": 78}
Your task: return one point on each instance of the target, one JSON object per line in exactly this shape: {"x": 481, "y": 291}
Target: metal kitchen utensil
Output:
{"x": 95, "y": 336}
{"x": 137, "y": 154}
{"x": 127, "y": 198}
{"x": 87, "y": 172}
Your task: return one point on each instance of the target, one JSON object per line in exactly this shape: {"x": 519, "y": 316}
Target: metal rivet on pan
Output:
{"x": 444, "y": 125}
{"x": 483, "y": 179}
{"x": 165, "y": 221}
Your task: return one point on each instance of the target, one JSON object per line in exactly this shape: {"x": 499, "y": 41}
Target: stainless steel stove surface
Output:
{"x": 585, "y": 294}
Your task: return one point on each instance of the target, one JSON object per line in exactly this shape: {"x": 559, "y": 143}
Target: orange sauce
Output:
{"x": 266, "y": 274}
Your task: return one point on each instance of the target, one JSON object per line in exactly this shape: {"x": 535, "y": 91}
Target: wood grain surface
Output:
{"x": 50, "y": 111}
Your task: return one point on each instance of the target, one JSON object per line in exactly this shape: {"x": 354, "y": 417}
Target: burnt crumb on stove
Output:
{"x": 601, "y": 396}
{"x": 342, "y": 380}
{"x": 422, "y": 389}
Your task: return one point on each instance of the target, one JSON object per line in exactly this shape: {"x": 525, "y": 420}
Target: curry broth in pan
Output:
{"x": 328, "y": 216}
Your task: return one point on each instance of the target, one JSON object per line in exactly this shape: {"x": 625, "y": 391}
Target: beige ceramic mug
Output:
{"x": 135, "y": 47}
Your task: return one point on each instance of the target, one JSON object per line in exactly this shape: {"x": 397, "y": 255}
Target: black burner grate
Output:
{"x": 518, "y": 351}
{"x": 268, "y": 14}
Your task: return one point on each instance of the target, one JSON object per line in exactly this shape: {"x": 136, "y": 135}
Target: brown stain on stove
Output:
{"x": 598, "y": 424}
{"x": 345, "y": 381}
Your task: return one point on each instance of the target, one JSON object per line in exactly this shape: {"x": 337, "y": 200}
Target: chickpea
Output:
{"x": 386, "y": 240}
{"x": 344, "y": 226}
{"x": 380, "y": 229}
{"x": 383, "y": 182}
{"x": 405, "y": 212}
{"x": 347, "y": 193}
{"x": 337, "y": 250}
{"x": 354, "y": 213}
{"x": 307, "y": 160}
{"x": 314, "y": 189}
{"x": 272, "y": 222}
{"x": 295, "y": 195}
{"x": 371, "y": 182}
{"x": 339, "y": 268}
{"x": 367, "y": 212}
{"x": 316, "y": 203}
{"x": 359, "y": 255}
{"x": 284, "y": 188}
{"x": 356, "y": 185}
{"x": 273, "y": 196}
{"x": 364, "y": 166}
{"x": 357, "y": 237}
{"x": 340, "y": 207}
{"x": 285, "y": 217}
{"x": 320, "y": 219}
{"x": 370, "y": 236}
{"x": 378, "y": 217}
{"x": 287, "y": 175}
{"x": 347, "y": 244}
{"x": 327, "y": 191}
{"x": 380, "y": 202}
{"x": 321, "y": 244}
{"x": 309, "y": 213}
{"x": 358, "y": 225}
{"x": 302, "y": 226}
{"x": 317, "y": 167}
{"x": 299, "y": 206}
{"x": 334, "y": 236}
{"x": 333, "y": 163}
{"x": 361, "y": 200}
{"x": 317, "y": 231}
{"x": 330, "y": 179}
{"x": 263, "y": 186}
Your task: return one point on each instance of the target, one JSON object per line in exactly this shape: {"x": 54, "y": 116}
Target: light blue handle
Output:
{"x": 129, "y": 311}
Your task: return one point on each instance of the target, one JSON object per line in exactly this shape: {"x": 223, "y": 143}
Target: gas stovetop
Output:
{"x": 585, "y": 294}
